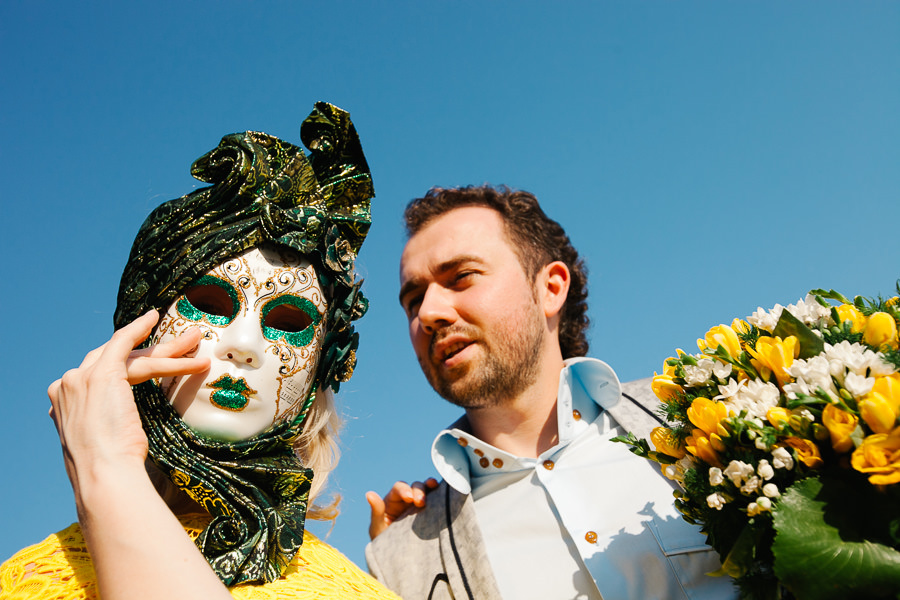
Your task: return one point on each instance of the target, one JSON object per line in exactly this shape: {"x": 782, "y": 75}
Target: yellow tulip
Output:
{"x": 723, "y": 335}
{"x": 840, "y": 425}
{"x": 848, "y": 312}
{"x": 667, "y": 368}
{"x": 807, "y": 451}
{"x": 892, "y": 301}
{"x": 778, "y": 416}
{"x": 879, "y": 456}
{"x": 665, "y": 388}
{"x": 774, "y": 355}
{"x": 664, "y": 442}
{"x": 706, "y": 414}
{"x": 877, "y": 412}
{"x": 880, "y": 330}
{"x": 740, "y": 326}
{"x": 699, "y": 445}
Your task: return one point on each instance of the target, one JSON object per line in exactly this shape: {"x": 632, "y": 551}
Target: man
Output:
{"x": 536, "y": 501}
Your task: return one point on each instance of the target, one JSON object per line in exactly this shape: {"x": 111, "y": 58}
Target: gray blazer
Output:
{"x": 437, "y": 552}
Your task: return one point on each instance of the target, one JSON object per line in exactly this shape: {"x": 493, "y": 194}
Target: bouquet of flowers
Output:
{"x": 784, "y": 439}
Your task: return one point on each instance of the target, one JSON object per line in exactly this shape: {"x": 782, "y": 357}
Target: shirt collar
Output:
{"x": 587, "y": 387}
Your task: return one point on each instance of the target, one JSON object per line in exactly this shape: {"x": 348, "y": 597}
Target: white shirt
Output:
{"x": 586, "y": 519}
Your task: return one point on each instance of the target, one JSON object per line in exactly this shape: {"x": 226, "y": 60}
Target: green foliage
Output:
{"x": 834, "y": 540}
{"x": 789, "y": 325}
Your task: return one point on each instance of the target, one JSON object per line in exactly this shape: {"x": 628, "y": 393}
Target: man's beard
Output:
{"x": 509, "y": 366}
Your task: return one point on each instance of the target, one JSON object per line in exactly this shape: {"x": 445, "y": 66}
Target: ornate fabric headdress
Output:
{"x": 263, "y": 190}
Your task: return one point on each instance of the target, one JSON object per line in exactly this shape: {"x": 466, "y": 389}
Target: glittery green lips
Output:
{"x": 231, "y": 394}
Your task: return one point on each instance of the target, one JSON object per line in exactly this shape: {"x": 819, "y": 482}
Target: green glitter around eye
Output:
{"x": 189, "y": 311}
{"x": 294, "y": 338}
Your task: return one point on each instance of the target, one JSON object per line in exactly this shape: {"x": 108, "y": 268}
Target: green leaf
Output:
{"x": 824, "y": 544}
{"x": 831, "y": 295}
{"x": 739, "y": 558}
{"x": 789, "y": 325}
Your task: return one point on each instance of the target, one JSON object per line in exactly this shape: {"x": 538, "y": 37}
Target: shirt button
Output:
{"x": 478, "y": 452}
{"x": 576, "y": 414}
{"x": 484, "y": 462}
{"x": 497, "y": 463}
{"x": 548, "y": 464}
{"x": 462, "y": 442}
{"x": 591, "y": 537}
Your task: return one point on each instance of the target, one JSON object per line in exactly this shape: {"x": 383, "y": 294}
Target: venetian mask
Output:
{"x": 262, "y": 315}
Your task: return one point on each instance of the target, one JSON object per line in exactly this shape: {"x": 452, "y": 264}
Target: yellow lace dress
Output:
{"x": 60, "y": 568}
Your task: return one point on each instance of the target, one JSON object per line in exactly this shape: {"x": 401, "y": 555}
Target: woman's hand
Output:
{"x": 93, "y": 405}
{"x": 138, "y": 547}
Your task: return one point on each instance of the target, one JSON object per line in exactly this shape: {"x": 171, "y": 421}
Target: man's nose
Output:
{"x": 436, "y": 310}
{"x": 242, "y": 341}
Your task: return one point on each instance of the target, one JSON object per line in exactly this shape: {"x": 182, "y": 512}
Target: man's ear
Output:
{"x": 553, "y": 287}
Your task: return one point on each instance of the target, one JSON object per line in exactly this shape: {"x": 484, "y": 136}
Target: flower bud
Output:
{"x": 778, "y": 416}
{"x": 851, "y": 314}
{"x": 665, "y": 388}
{"x": 881, "y": 330}
{"x": 840, "y": 424}
{"x": 665, "y": 442}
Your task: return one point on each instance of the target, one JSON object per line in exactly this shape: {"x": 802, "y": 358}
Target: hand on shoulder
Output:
{"x": 397, "y": 501}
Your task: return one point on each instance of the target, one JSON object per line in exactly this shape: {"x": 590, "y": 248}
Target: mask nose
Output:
{"x": 242, "y": 342}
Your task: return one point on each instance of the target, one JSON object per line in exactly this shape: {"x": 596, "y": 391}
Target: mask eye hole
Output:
{"x": 211, "y": 300}
{"x": 287, "y": 318}
{"x": 291, "y": 318}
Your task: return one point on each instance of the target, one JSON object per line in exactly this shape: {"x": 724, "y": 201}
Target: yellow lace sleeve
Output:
{"x": 59, "y": 568}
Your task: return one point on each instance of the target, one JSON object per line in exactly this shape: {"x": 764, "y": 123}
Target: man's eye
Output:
{"x": 210, "y": 300}
{"x": 288, "y": 318}
{"x": 412, "y": 306}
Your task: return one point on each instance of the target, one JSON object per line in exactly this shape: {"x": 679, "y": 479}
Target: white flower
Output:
{"x": 810, "y": 375}
{"x": 844, "y": 357}
{"x": 809, "y": 311}
{"x": 730, "y": 389}
{"x": 676, "y": 471}
{"x": 771, "y": 490}
{"x": 878, "y": 367}
{"x": 753, "y": 509}
{"x": 699, "y": 374}
{"x": 715, "y": 476}
{"x": 782, "y": 459}
{"x": 721, "y": 370}
{"x": 756, "y": 397}
{"x": 764, "y": 503}
{"x": 760, "y": 443}
{"x": 716, "y": 501}
{"x": 751, "y": 486}
{"x": 738, "y": 472}
{"x": 858, "y": 385}
{"x": 766, "y": 319}
{"x": 765, "y": 470}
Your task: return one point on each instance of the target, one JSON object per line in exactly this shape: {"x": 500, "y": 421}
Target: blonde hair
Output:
{"x": 318, "y": 449}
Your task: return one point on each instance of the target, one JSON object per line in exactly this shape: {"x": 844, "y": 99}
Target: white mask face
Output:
{"x": 262, "y": 315}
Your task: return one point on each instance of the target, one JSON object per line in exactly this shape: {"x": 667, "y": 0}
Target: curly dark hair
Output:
{"x": 536, "y": 239}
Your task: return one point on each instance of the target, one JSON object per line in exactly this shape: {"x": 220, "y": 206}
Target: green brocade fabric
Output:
{"x": 264, "y": 190}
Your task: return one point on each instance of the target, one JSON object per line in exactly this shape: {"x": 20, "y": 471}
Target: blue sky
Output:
{"x": 705, "y": 157}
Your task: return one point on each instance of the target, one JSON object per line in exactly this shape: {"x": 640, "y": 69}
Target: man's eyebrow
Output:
{"x": 446, "y": 266}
